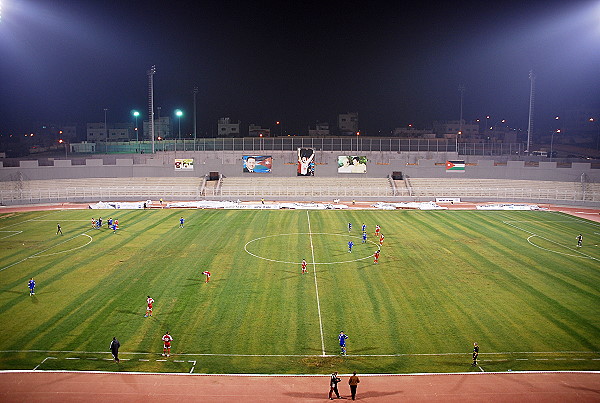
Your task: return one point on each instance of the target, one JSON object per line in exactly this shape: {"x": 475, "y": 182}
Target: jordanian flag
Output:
{"x": 455, "y": 166}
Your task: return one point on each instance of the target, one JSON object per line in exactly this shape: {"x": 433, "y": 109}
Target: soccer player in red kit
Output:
{"x": 376, "y": 256}
{"x": 149, "y": 301}
{"x": 207, "y": 274}
{"x": 304, "y": 266}
{"x": 381, "y": 240}
{"x": 377, "y": 229}
{"x": 167, "y": 339}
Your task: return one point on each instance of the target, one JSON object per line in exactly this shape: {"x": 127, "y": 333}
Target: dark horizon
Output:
{"x": 65, "y": 61}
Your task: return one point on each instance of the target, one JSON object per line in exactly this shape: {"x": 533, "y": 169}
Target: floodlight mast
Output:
{"x": 150, "y": 74}
{"x": 531, "y": 103}
{"x": 461, "y": 89}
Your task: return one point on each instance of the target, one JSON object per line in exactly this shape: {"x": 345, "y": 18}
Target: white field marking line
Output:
{"x": 312, "y": 251}
{"x": 68, "y": 250}
{"x": 43, "y": 361}
{"x": 61, "y": 220}
{"x": 297, "y": 355}
{"x": 14, "y": 233}
{"x": 38, "y": 253}
{"x": 580, "y": 254}
{"x": 572, "y": 217}
{"x": 585, "y": 256}
{"x": 306, "y": 233}
{"x": 479, "y": 366}
{"x": 193, "y": 366}
{"x": 31, "y": 219}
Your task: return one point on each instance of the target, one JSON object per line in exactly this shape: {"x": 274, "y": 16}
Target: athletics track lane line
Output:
{"x": 312, "y": 251}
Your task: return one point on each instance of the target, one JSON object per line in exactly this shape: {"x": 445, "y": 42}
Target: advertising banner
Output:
{"x": 306, "y": 162}
{"x": 352, "y": 164}
{"x": 184, "y": 164}
{"x": 257, "y": 163}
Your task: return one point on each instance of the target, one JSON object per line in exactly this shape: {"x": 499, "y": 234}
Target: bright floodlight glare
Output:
{"x": 178, "y": 112}
{"x": 136, "y": 113}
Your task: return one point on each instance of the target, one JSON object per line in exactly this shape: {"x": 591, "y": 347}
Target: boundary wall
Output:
{"x": 229, "y": 163}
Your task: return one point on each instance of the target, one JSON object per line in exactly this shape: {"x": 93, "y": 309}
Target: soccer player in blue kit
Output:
{"x": 364, "y": 228}
{"x": 364, "y": 237}
{"x": 350, "y": 245}
{"x": 31, "y": 286}
{"x": 181, "y": 221}
{"x": 342, "y": 338}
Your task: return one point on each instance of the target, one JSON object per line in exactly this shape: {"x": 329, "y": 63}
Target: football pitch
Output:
{"x": 515, "y": 282}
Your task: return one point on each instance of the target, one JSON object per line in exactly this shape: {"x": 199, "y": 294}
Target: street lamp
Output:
{"x": 178, "y": 113}
{"x": 136, "y": 114}
{"x": 61, "y": 141}
{"x": 557, "y": 131}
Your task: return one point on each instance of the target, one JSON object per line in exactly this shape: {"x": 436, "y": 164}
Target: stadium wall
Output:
{"x": 381, "y": 164}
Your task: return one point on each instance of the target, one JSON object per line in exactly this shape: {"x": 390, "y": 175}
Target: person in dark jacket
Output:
{"x": 114, "y": 349}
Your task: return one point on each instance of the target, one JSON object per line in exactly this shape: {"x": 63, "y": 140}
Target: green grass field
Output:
{"x": 513, "y": 281}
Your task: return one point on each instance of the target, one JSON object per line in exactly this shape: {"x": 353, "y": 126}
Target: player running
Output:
{"x": 58, "y": 230}
{"x": 381, "y": 240}
{"x": 377, "y": 230}
{"x": 207, "y": 274}
{"x": 149, "y": 303}
{"x": 579, "y": 240}
{"x": 350, "y": 245}
{"x": 304, "y": 266}
{"x": 349, "y": 226}
{"x": 376, "y": 257}
{"x": 167, "y": 339}
{"x": 364, "y": 237}
{"x": 31, "y": 286}
{"x": 364, "y": 228}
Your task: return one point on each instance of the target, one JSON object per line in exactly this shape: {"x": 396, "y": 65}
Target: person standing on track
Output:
{"x": 475, "y": 354}
{"x": 334, "y": 380}
{"x": 353, "y": 382}
{"x": 114, "y": 349}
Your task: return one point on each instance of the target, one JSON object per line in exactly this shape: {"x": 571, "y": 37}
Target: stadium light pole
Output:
{"x": 136, "y": 114}
{"x": 195, "y": 92}
{"x": 557, "y": 131}
{"x": 178, "y": 113}
{"x": 105, "y": 127}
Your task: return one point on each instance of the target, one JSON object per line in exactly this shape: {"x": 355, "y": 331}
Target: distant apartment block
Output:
{"x": 348, "y": 123}
{"x": 227, "y": 129}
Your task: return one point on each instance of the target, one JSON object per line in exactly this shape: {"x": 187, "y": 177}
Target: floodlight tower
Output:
{"x": 150, "y": 74}
{"x": 531, "y": 103}
{"x": 195, "y": 92}
{"x": 461, "y": 89}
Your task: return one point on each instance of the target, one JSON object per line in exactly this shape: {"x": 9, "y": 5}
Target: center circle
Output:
{"x": 313, "y": 235}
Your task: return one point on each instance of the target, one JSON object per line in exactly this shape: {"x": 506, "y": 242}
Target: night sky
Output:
{"x": 297, "y": 62}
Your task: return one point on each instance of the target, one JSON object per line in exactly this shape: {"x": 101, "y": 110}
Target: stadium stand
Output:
{"x": 301, "y": 186}
{"x": 100, "y": 189}
{"x": 503, "y": 188}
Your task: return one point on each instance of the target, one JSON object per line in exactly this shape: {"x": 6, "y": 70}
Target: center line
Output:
{"x": 312, "y": 251}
